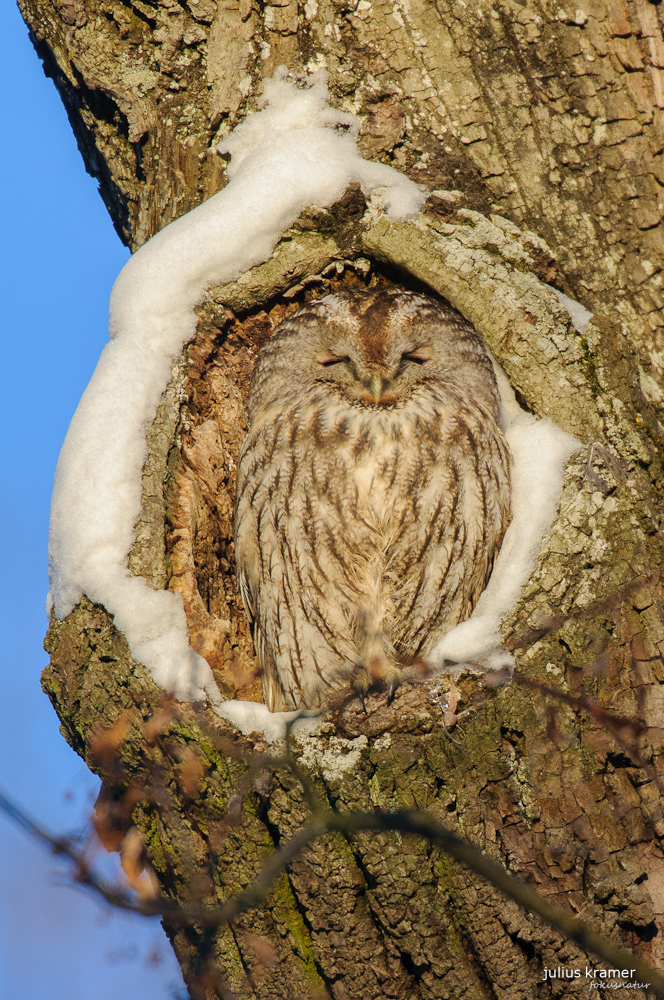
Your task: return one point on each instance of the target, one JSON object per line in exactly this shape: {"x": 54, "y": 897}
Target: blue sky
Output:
{"x": 61, "y": 258}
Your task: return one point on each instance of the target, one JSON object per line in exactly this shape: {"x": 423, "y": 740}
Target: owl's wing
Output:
{"x": 246, "y": 595}
{"x": 272, "y": 693}
{"x": 248, "y": 577}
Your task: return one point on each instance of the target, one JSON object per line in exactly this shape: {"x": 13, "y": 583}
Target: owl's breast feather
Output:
{"x": 374, "y": 474}
{"x": 372, "y": 465}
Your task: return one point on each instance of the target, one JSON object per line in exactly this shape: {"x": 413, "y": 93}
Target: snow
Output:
{"x": 579, "y": 315}
{"x": 252, "y": 716}
{"x": 295, "y": 152}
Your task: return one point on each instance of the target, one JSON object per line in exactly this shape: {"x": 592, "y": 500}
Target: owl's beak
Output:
{"x": 376, "y": 387}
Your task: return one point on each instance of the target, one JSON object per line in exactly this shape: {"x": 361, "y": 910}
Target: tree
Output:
{"x": 538, "y": 120}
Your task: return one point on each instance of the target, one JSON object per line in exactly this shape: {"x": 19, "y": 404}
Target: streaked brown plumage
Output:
{"x": 373, "y": 489}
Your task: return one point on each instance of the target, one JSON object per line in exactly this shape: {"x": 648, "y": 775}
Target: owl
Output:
{"x": 373, "y": 491}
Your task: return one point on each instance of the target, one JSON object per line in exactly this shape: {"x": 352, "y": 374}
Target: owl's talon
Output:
{"x": 391, "y": 684}
{"x": 361, "y": 689}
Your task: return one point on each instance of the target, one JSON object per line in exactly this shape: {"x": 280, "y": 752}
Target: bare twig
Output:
{"x": 419, "y": 824}
{"x": 617, "y": 725}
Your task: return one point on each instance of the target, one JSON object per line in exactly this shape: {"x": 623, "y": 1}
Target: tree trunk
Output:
{"x": 538, "y": 118}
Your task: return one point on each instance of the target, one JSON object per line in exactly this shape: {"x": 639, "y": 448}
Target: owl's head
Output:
{"x": 375, "y": 348}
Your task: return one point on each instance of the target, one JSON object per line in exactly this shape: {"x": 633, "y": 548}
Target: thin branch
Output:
{"x": 615, "y": 724}
{"x": 256, "y": 763}
{"x": 419, "y": 824}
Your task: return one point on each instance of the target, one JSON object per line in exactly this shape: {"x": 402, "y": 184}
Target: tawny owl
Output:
{"x": 373, "y": 490}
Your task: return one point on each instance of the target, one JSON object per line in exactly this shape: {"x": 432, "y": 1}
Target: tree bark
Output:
{"x": 539, "y": 120}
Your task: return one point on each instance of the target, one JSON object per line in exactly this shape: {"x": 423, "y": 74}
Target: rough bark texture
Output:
{"x": 540, "y": 117}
